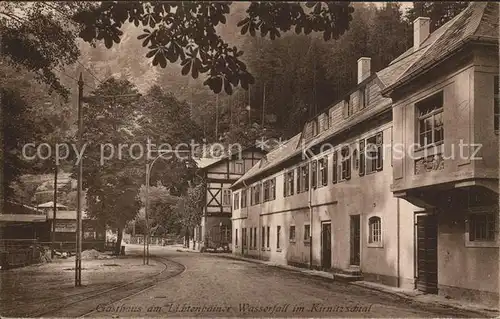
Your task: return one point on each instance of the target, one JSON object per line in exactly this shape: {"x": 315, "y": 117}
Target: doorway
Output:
{"x": 426, "y": 253}
{"x": 326, "y": 245}
{"x": 355, "y": 240}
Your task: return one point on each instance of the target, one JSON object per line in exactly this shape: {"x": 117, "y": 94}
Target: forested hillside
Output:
{"x": 296, "y": 75}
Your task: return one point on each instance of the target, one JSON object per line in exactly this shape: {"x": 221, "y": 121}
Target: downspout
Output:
{"x": 398, "y": 240}
{"x": 310, "y": 228}
{"x": 260, "y": 229}
{"x": 246, "y": 206}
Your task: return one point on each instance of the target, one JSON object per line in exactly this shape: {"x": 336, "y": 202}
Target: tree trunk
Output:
{"x": 186, "y": 238}
{"x": 119, "y": 236}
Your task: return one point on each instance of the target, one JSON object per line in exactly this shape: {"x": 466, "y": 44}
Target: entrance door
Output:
{"x": 426, "y": 251}
{"x": 355, "y": 240}
{"x": 326, "y": 245}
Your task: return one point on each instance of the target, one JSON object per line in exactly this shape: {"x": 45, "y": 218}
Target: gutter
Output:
{"x": 246, "y": 206}
{"x": 348, "y": 126}
{"x": 458, "y": 47}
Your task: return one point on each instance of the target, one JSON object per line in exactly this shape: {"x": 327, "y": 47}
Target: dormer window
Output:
{"x": 314, "y": 125}
{"x": 364, "y": 97}
{"x": 347, "y": 107}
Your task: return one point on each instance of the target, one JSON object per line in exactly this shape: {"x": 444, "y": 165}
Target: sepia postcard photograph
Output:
{"x": 253, "y": 159}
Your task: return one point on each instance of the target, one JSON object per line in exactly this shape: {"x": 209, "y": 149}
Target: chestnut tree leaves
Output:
{"x": 185, "y": 32}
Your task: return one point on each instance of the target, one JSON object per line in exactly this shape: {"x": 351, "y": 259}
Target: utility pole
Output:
{"x": 263, "y": 104}
{"x": 249, "y": 106}
{"x": 216, "y": 117}
{"x": 145, "y": 209}
{"x": 78, "y": 259}
{"x": 54, "y": 212}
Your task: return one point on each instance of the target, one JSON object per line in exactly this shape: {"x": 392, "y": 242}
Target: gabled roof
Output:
{"x": 51, "y": 204}
{"x": 479, "y": 21}
{"x": 282, "y": 152}
{"x": 205, "y": 162}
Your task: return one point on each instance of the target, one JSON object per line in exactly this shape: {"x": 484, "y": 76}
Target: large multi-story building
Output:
{"x": 219, "y": 174}
{"x": 377, "y": 186}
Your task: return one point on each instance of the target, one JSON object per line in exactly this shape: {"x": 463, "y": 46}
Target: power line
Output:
{"x": 90, "y": 87}
{"x": 95, "y": 77}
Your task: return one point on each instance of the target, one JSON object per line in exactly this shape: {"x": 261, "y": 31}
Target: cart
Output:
{"x": 218, "y": 238}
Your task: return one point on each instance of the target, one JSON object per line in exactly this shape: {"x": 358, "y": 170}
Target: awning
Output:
{"x": 23, "y": 218}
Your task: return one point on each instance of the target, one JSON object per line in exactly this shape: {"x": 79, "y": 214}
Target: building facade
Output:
{"x": 219, "y": 174}
{"x": 369, "y": 188}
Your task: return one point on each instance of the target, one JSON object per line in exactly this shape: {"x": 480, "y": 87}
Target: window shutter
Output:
{"x": 362, "y": 158}
{"x": 314, "y": 174}
{"x": 349, "y": 162}
{"x": 325, "y": 171}
{"x": 285, "y": 179}
{"x": 306, "y": 178}
{"x": 299, "y": 176}
{"x": 292, "y": 183}
{"x": 380, "y": 151}
{"x": 334, "y": 168}
{"x": 345, "y": 111}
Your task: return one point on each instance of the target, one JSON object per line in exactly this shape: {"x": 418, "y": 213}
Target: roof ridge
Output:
{"x": 430, "y": 45}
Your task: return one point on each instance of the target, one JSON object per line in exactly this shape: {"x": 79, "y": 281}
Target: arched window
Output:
{"x": 375, "y": 227}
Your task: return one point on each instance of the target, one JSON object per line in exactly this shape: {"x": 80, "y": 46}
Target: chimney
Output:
{"x": 363, "y": 68}
{"x": 421, "y": 30}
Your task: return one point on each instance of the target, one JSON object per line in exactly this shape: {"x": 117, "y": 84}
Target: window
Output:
{"x": 314, "y": 125}
{"x": 325, "y": 121}
{"x": 430, "y": 120}
{"x": 278, "y": 235}
{"x": 482, "y": 227}
{"x": 375, "y": 229}
{"x": 226, "y": 197}
{"x": 272, "y": 189}
{"x": 307, "y": 233}
{"x": 251, "y": 238}
{"x": 244, "y": 198}
{"x": 266, "y": 190}
{"x": 314, "y": 174}
{"x": 236, "y": 238}
{"x": 244, "y": 237}
{"x": 361, "y": 170}
{"x": 299, "y": 179}
{"x": 323, "y": 171}
{"x": 303, "y": 178}
{"x": 269, "y": 189}
{"x": 496, "y": 106}
{"x": 355, "y": 159}
{"x": 288, "y": 184}
{"x": 268, "y": 233}
{"x": 334, "y": 168}
{"x": 263, "y": 239}
{"x": 236, "y": 201}
{"x": 255, "y": 238}
{"x": 345, "y": 164}
{"x": 347, "y": 107}
{"x": 292, "y": 233}
{"x": 374, "y": 156}
{"x": 238, "y": 167}
{"x": 364, "y": 97}
{"x": 255, "y": 196}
